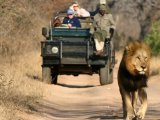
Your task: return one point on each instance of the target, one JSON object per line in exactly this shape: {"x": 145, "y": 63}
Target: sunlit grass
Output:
{"x": 19, "y": 85}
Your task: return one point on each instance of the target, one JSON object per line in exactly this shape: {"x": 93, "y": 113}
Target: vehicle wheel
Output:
{"x": 111, "y": 76}
{"x": 46, "y": 75}
{"x": 54, "y": 76}
{"x": 106, "y": 74}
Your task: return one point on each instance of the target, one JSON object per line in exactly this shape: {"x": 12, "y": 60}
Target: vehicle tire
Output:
{"x": 111, "y": 76}
{"x": 104, "y": 74}
{"x": 54, "y": 76}
{"x": 46, "y": 75}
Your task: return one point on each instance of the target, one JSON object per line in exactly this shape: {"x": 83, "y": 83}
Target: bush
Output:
{"x": 153, "y": 38}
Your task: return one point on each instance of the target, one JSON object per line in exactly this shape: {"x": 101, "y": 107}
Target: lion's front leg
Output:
{"x": 123, "y": 105}
{"x": 134, "y": 100}
{"x": 143, "y": 99}
{"x": 128, "y": 111}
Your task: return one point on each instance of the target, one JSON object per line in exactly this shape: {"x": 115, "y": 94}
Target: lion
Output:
{"x": 133, "y": 75}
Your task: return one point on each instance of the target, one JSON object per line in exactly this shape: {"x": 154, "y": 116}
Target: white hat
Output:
{"x": 102, "y": 1}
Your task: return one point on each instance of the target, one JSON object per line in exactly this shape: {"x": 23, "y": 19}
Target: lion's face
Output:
{"x": 138, "y": 59}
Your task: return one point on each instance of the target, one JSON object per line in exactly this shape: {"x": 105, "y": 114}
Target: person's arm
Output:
{"x": 76, "y": 23}
{"x": 65, "y": 21}
{"x": 66, "y": 24}
{"x": 94, "y": 25}
{"x": 112, "y": 22}
{"x": 93, "y": 13}
{"x": 84, "y": 13}
{"x": 112, "y": 27}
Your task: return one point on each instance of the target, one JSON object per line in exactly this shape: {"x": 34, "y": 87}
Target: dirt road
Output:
{"x": 82, "y": 98}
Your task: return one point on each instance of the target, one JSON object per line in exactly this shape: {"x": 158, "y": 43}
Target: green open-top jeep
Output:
{"x": 71, "y": 52}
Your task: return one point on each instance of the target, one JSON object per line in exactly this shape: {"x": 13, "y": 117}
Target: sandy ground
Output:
{"x": 82, "y": 98}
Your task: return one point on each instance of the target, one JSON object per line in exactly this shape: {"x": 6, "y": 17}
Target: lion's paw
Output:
{"x": 140, "y": 115}
{"x": 129, "y": 117}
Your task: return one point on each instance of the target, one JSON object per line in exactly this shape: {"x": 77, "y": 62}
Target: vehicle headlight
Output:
{"x": 54, "y": 50}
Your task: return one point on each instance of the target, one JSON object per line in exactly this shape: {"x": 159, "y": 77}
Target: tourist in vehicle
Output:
{"x": 71, "y": 21}
{"x": 102, "y": 29}
{"x": 57, "y": 22}
{"x": 78, "y": 11}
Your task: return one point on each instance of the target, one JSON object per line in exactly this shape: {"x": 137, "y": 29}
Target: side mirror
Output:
{"x": 44, "y": 32}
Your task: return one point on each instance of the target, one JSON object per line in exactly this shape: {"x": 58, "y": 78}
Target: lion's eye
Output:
{"x": 146, "y": 58}
{"x": 138, "y": 57}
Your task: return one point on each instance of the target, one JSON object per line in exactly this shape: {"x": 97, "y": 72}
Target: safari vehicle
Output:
{"x": 71, "y": 52}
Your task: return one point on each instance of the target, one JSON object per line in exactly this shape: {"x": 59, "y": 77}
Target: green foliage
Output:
{"x": 153, "y": 38}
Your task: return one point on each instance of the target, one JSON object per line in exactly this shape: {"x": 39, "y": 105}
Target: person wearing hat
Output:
{"x": 102, "y": 29}
{"x": 75, "y": 2}
{"x": 80, "y": 12}
{"x": 101, "y": 2}
{"x": 71, "y": 20}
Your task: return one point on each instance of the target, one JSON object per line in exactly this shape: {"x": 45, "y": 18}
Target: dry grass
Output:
{"x": 19, "y": 85}
{"x": 22, "y": 22}
{"x": 21, "y": 25}
{"x": 155, "y": 66}
{"x": 20, "y": 68}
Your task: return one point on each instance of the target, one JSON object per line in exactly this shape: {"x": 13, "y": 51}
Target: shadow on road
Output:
{"x": 106, "y": 118}
{"x": 87, "y": 112}
{"x": 75, "y": 86}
